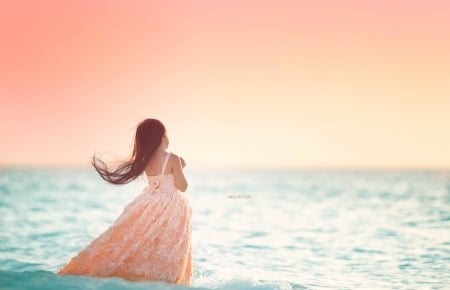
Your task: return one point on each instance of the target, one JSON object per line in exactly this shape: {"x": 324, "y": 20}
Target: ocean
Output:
{"x": 252, "y": 229}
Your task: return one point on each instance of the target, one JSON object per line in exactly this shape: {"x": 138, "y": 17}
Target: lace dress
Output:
{"x": 150, "y": 240}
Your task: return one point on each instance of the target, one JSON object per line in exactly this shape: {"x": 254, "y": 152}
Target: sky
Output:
{"x": 238, "y": 84}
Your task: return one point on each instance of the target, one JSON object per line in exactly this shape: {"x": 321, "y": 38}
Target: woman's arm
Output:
{"x": 180, "y": 180}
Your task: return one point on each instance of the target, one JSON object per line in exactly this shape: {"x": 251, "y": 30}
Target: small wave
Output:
{"x": 13, "y": 280}
{"x": 236, "y": 283}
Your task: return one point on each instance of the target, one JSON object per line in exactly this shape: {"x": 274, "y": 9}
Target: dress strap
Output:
{"x": 165, "y": 163}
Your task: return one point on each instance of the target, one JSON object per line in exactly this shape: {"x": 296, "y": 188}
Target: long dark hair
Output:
{"x": 147, "y": 139}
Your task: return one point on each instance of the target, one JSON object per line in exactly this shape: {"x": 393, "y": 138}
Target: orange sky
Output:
{"x": 237, "y": 83}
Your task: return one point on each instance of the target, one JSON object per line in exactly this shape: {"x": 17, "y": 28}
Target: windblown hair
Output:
{"x": 147, "y": 139}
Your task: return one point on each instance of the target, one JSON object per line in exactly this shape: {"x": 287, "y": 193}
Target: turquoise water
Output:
{"x": 251, "y": 229}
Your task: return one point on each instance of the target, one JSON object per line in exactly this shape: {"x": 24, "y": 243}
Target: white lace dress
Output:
{"x": 150, "y": 240}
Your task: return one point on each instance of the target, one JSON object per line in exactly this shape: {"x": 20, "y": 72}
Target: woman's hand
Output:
{"x": 183, "y": 163}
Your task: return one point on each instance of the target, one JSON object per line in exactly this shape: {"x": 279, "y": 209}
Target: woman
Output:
{"x": 151, "y": 239}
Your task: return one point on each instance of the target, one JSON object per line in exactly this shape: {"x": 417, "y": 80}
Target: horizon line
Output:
{"x": 243, "y": 168}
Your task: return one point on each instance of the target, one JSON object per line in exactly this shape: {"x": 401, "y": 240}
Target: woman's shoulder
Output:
{"x": 173, "y": 156}
{"x": 173, "y": 160}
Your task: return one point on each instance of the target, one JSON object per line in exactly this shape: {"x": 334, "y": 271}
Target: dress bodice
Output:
{"x": 162, "y": 182}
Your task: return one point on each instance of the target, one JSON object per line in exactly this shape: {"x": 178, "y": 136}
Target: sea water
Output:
{"x": 252, "y": 229}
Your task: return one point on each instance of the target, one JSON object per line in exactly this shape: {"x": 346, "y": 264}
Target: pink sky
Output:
{"x": 237, "y": 83}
